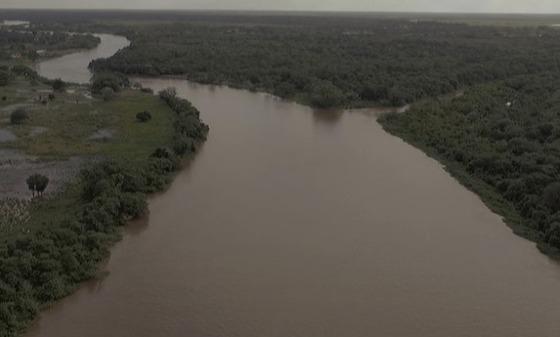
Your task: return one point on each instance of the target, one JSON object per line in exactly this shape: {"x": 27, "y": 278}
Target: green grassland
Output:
{"x": 69, "y": 125}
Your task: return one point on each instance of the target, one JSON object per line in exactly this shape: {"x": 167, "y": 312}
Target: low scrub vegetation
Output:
{"x": 19, "y": 116}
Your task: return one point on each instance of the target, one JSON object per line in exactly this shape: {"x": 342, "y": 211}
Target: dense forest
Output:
{"x": 348, "y": 62}
{"x": 487, "y": 98}
{"x": 486, "y": 104}
{"x": 28, "y": 44}
{"x": 502, "y": 139}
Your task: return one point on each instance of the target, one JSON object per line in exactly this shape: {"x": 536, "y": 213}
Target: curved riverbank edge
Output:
{"x": 489, "y": 197}
{"x": 486, "y": 193}
{"x": 82, "y": 222}
{"x": 358, "y": 107}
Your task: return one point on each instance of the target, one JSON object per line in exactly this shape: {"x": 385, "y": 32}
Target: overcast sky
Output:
{"x": 509, "y": 6}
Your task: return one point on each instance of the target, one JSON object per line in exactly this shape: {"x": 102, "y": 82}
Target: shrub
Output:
{"x": 183, "y": 145}
{"x": 37, "y": 183}
{"x": 551, "y": 196}
{"x": 111, "y": 80}
{"x": 25, "y": 71}
{"x": 168, "y": 95}
{"x": 327, "y": 95}
{"x": 58, "y": 85}
{"x": 107, "y": 93}
{"x": 19, "y": 116}
{"x": 133, "y": 205}
{"x": 143, "y": 116}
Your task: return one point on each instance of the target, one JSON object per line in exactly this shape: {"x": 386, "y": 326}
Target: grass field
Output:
{"x": 69, "y": 123}
{"x": 65, "y": 128}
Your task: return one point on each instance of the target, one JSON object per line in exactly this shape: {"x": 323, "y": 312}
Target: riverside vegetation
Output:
{"x": 52, "y": 243}
{"x": 500, "y": 138}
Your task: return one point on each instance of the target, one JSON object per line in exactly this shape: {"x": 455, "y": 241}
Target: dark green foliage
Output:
{"x": 19, "y": 116}
{"x": 44, "y": 265}
{"x": 37, "y": 184}
{"x": 551, "y": 196}
{"x": 107, "y": 94}
{"x": 112, "y": 81}
{"x": 504, "y": 134}
{"x": 58, "y": 85}
{"x": 143, "y": 116}
{"x": 337, "y": 61}
{"x": 325, "y": 94}
{"x": 133, "y": 205}
{"x": 26, "y": 42}
{"x": 25, "y": 71}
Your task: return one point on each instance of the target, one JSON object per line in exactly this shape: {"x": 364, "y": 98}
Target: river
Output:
{"x": 74, "y": 67}
{"x": 301, "y": 223}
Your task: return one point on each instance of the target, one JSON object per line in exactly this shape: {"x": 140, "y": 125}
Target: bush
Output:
{"x": 133, "y": 205}
{"x": 183, "y": 145}
{"x": 143, "y": 116}
{"x": 27, "y": 72}
{"x": 58, "y": 85}
{"x": 37, "y": 183}
{"x": 107, "y": 93}
{"x": 168, "y": 95}
{"x": 552, "y": 197}
{"x": 19, "y": 116}
{"x": 327, "y": 95}
{"x": 111, "y": 80}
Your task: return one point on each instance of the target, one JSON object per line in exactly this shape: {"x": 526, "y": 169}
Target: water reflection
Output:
{"x": 327, "y": 117}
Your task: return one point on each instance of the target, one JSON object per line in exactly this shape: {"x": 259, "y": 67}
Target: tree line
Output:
{"x": 48, "y": 263}
{"x": 349, "y": 62}
{"x": 506, "y": 135}
{"x": 25, "y": 43}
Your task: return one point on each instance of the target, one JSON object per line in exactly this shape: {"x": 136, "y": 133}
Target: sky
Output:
{"x": 500, "y": 6}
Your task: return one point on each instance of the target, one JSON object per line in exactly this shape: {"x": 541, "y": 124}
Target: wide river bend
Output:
{"x": 299, "y": 223}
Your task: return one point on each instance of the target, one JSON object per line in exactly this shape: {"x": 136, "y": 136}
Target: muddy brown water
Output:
{"x": 291, "y": 222}
{"x": 74, "y": 67}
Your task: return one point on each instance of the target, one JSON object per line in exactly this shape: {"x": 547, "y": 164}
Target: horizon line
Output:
{"x": 331, "y": 11}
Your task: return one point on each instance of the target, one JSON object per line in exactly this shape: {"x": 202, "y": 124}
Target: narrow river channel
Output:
{"x": 296, "y": 223}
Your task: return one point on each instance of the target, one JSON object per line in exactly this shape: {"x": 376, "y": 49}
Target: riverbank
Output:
{"x": 283, "y": 199}
{"x": 328, "y": 223}
{"x": 103, "y": 155}
{"x": 504, "y": 150}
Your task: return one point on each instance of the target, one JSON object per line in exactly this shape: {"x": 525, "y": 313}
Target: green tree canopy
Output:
{"x": 37, "y": 183}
